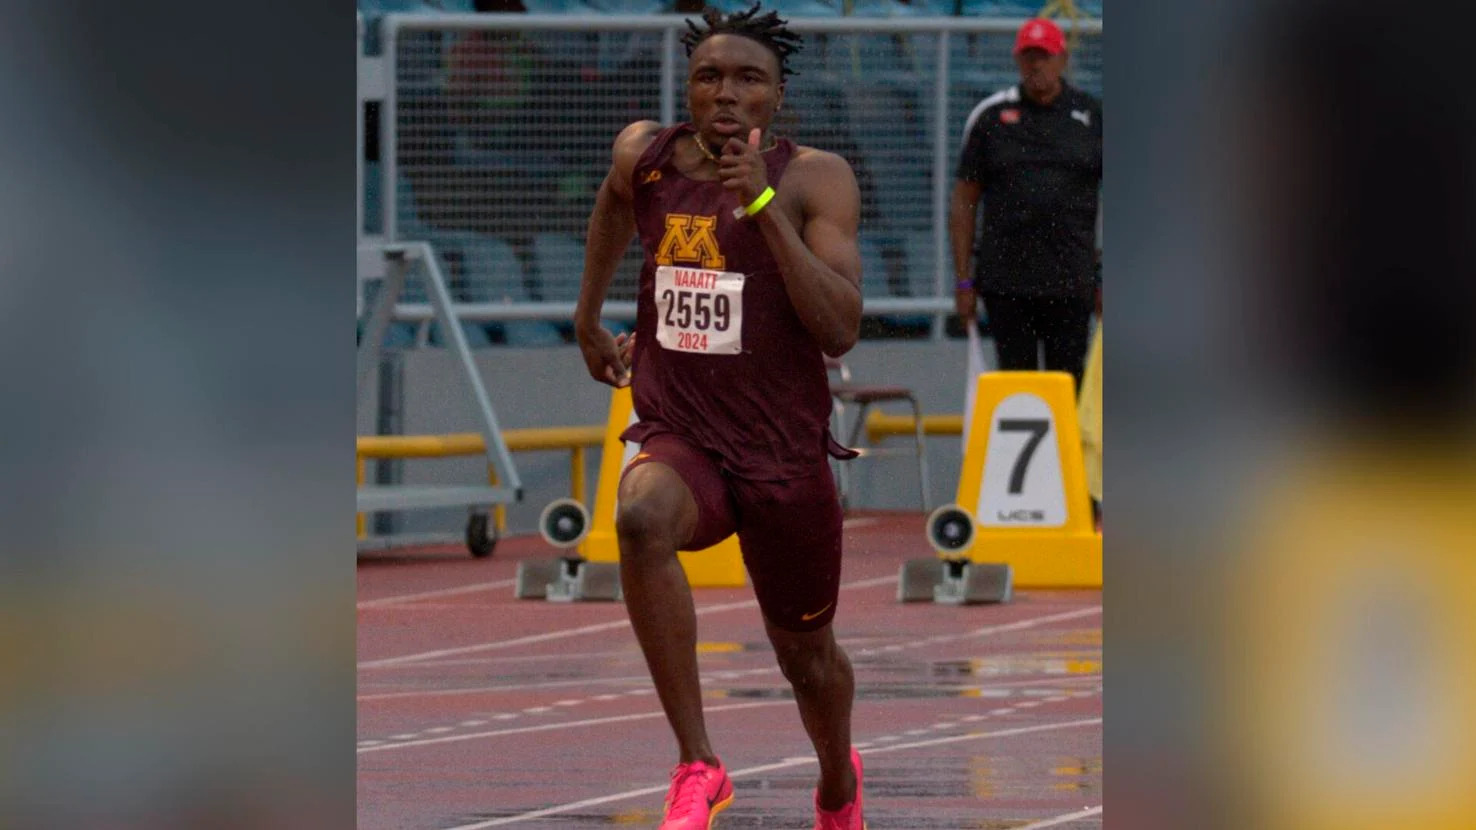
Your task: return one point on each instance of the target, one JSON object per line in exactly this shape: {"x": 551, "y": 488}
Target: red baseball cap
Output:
{"x": 1040, "y": 33}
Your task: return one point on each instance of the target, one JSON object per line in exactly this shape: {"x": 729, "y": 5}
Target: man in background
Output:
{"x": 1032, "y": 158}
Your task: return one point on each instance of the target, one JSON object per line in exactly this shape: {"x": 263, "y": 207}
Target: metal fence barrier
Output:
{"x": 495, "y": 132}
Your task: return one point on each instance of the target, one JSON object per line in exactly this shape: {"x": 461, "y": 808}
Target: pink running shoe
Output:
{"x": 848, "y": 817}
{"x": 698, "y": 793}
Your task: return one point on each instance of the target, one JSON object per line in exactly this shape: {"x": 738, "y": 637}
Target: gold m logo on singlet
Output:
{"x": 690, "y": 239}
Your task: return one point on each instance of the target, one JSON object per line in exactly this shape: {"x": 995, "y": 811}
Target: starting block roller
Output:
{"x": 593, "y": 572}
{"x": 564, "y": 523}
{"x": 947, "y": 578}
{"x": 1022, "y": 491}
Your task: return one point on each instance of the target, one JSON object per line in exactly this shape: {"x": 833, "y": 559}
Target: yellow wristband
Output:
{"x": 759, "y": 203}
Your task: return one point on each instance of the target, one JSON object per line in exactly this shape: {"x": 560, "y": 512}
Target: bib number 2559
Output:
{"x": 699, "y": 310}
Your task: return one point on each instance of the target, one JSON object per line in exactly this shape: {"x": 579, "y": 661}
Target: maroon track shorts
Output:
{"x": 789, "y": 530}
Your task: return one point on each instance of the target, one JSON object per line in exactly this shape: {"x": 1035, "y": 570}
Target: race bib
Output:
{"x": 699, "y": 310}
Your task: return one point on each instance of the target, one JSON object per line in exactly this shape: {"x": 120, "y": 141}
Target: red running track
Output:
{"x": 479, "y": 710}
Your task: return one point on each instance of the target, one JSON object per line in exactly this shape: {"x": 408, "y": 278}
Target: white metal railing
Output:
{"x": 495, "y": 129}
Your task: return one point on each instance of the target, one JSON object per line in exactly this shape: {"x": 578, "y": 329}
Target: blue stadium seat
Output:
{"x": 627, "y": 6}
{"x": 492, "y": 273}
{"x": 917, "y": 246}
{"x": 529, "y": 333}
{"x": 886, "y": 117}
{"x": 1000, "y": 8}
{"x": 873, "y": 269}
{"x": 926, "y": 8}
{"x": 397, "y": 336}
{"x": 373, "y": 197}
{"x": 557, "y": 7}
{"x": 874, "y": 56}
{"x": 876, "y": 282}
{"x": 558, "y": 260}
{"x": 476, "y": 336}
{"x": 811, "y": 8}
{"x": 892, "y": 8}
{"x": 409, "y": 226}
{"x": 388, "y": 6}
{"x": 621, "y": 49}
{"x": 786, "y": 8}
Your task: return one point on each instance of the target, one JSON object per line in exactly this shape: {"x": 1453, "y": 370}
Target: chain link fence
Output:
{"x": 497, "y": 132}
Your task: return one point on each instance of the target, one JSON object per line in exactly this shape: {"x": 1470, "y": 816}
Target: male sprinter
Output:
{"x": 751, "y": 276}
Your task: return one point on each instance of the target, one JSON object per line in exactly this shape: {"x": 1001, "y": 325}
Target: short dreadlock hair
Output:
{"x": 765, "y": 28}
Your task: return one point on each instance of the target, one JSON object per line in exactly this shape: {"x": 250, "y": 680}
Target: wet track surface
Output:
{"x": 480, "y": 710}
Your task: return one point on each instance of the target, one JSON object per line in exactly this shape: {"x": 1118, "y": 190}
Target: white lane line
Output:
{"x": 569, "y": 725}
{"x": 565, "y": 633}
{"x": 642, "y": 678}
{"x": 1052, "y": 822}
{"x": 516, "y": 687}
{"x": 499, "y": 644}
{"x": 788, "y": 762}
{"x": 605, "y": 697}
{"x": 726, "y": 675}
{"x": 987, "y": 630}
{"x": 984, "y": 691}
{"x": 631, "y": 652}
{"x": 443, "y": 592}
{"x": 980, "y": 632}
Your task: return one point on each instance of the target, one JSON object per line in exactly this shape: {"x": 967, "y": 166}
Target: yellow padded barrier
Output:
{"x": 471, "y": 443}
{"x": 720, "y": 566}
{"x": 881, "y": 425}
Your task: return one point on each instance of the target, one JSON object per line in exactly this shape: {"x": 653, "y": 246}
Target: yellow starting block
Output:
{"x": 1022, "y": 508}
{"x": 593, "y": 573}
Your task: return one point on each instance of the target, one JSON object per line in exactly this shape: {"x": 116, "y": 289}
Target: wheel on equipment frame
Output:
{"x": 481, "y": 534}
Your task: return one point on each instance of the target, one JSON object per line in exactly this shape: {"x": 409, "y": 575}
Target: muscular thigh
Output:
{"x": 702, "y": 514}
{"x": 790, "y": 533}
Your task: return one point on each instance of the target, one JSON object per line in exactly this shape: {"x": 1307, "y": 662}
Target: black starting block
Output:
{"x": 954, "y": 582}
{"x": 950, "y": 578}
{"x": 571, "y": 578}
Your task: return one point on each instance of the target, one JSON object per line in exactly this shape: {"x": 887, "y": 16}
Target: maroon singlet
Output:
{"x": 730, "y": 367}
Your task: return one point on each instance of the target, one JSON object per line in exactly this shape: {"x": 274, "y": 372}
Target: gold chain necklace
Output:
{"x": 702, "y": 145}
